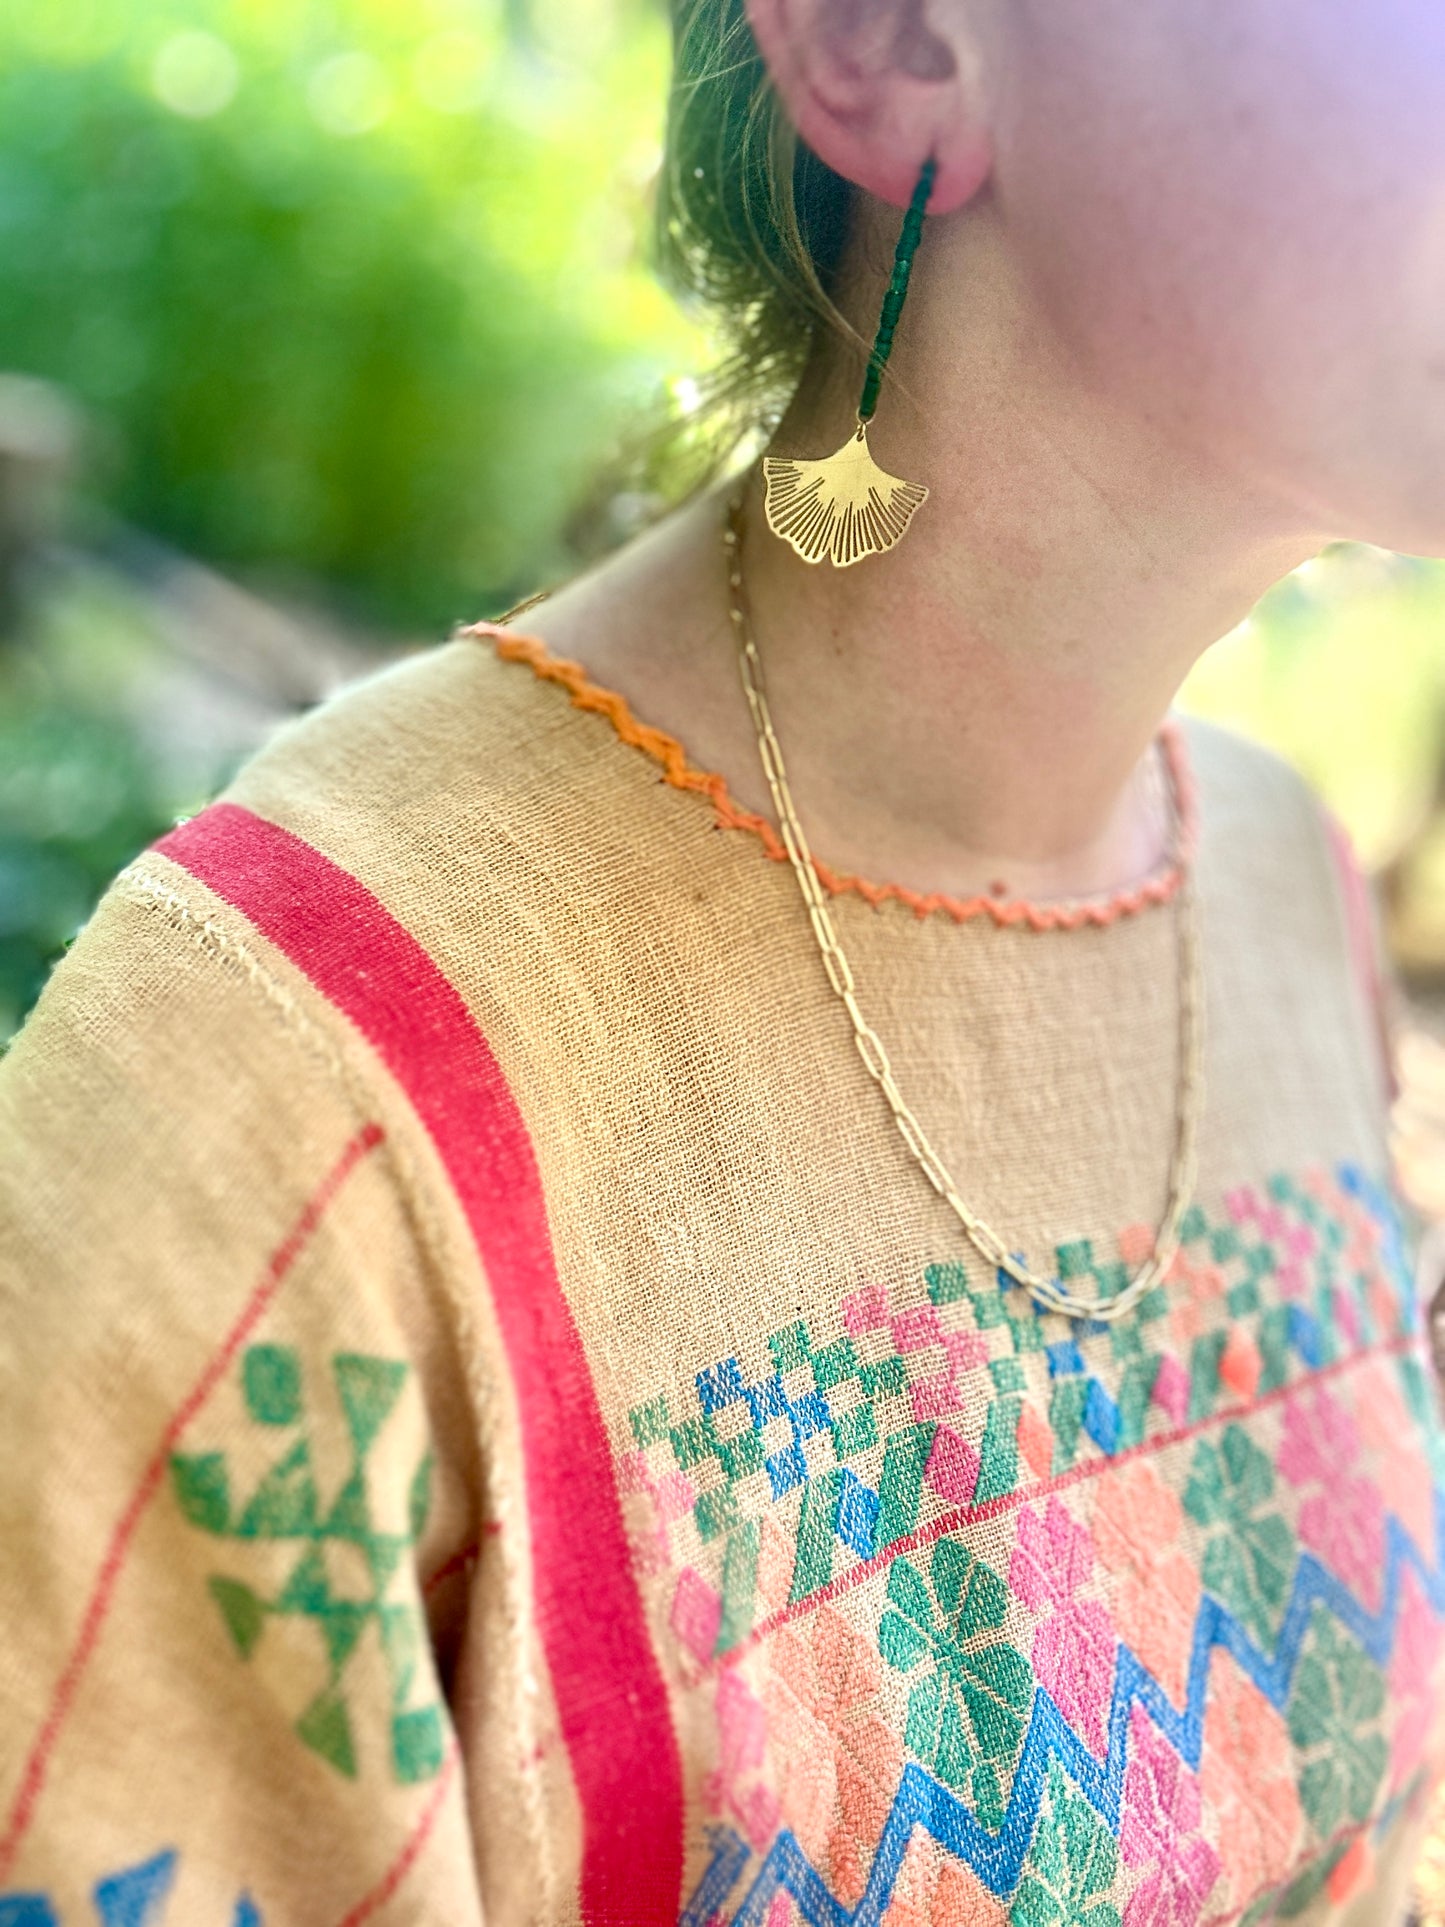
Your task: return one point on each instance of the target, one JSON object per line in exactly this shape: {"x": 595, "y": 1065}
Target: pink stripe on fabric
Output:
{"x": 611, "y": 1697}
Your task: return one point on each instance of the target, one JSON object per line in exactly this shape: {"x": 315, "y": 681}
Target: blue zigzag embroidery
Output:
{"x": 998, "y": 1859}
{"x": 134, "y": 1898}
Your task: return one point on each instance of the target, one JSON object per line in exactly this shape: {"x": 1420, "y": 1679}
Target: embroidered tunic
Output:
{"x": 496, "y": 1430}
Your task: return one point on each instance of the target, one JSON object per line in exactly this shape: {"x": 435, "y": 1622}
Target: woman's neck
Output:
{"x": 975, "y": 708}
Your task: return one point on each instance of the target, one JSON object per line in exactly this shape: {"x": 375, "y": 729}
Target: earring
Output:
{"x": 844, "y": 507}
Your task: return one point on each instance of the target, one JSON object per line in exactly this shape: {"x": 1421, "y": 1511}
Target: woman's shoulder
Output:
{"x": 1265, "y": 827}
{"x": 452, "y": 726}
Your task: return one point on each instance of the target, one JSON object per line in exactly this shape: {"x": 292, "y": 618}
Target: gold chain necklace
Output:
{"x": 1048, "y": 1293}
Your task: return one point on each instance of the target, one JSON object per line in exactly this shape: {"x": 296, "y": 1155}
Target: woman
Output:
{"x": 510, "y": 1416}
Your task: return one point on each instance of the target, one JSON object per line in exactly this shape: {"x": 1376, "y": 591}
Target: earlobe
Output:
{"x": 872, "y": 88}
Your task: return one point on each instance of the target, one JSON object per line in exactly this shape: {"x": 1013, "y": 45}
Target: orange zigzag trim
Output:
{"x": 672, "y": 758}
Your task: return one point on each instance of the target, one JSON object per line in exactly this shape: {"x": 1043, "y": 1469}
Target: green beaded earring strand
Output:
{"x": 844, "y": 507}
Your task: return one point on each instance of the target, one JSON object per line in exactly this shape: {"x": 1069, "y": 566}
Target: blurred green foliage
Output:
{"x": 355, "y": 299}
{"x": 344, "y": 286}
{"x": 82, "y": 785}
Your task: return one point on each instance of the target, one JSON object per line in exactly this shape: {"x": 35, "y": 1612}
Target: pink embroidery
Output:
{"x": 669, "y": 1499}
{"x": 1343, "y": 1524}
{"x": 1345, "y": 1527}
{"x": 953, "y": 1466}
{"x": 696, "y": 1614}
{"x": 1171, "y": 1388}
{"x": 913, "y": 1330}
{"x": 1384, "y": 1422}
{"x": 1137, "y": 1521}
{"x": 1320, "y": 1442}
{"x": 742, "y": 1737}
{"x": 965, "y": 1351}
{"x": 1073, "y": 1651}
{"x": 1162, "y": 1812}
{"x": 1247, "y": 1778}
{"x": 866, "y": 1310}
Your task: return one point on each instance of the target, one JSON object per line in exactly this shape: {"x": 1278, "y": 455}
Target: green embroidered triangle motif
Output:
{"x": 350, "y": 1517}
{"x": 283, "y": 1506}
{"x": 202, "y": 1489}
{"x": 243, "y": 1612}
{"x": 308, "y": 1589}
{"x": 325, "y": 1727}
{"x": 343, "y": 1624}
{"x": 369, "y": 1388}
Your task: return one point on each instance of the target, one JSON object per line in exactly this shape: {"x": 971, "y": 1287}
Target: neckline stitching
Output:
{"x": 1008, "y": 912}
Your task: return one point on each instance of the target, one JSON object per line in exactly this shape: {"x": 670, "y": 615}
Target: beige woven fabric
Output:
{"x": 580, "y": 1475}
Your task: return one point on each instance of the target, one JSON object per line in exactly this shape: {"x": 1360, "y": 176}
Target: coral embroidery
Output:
{"x": 1175, "y": 1702}
{"x": 1247, "y": 1777}
{"x": 1137, "y": 1522}
{"x": 841, "y": 1758}
{"x": 679, "y": 772}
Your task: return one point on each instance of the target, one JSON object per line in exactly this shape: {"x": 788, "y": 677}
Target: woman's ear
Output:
{"x": 874, "y": 86}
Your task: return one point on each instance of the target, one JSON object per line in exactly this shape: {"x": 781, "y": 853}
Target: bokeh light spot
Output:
{"x": 350, "y": 94}
{"x": 195, "y": 74}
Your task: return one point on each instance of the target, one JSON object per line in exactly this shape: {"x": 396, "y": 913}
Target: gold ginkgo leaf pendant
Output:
{"x": 841, "y": 508}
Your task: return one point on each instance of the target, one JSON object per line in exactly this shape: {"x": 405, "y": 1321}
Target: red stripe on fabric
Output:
{"x": 611, "y": 1698}
{"x": 416, "y": 1840}
{"x": 32, "y": 1781}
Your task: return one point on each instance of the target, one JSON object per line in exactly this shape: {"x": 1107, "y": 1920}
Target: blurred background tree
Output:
{"x": 351, "y": 301}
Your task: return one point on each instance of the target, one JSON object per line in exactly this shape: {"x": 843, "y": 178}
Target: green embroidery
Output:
{"x": 1071, "y": 1865}
{"x": 968, "y": 1712}
{"x": 287, "y": 1506}
{"x": 1338, "y": 1693}
{"x": 1000, "y": 1451}
{"x": 817, "y": 1535}
{"x": 271, "y": 1378}
{"x": 1204, "y": 1357}
{"x": 1066, "y": 1416}
{"x": 1249, "y": 1559}
{"x": 872, "y": 1386}
{"x": 900, "y": 1490}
